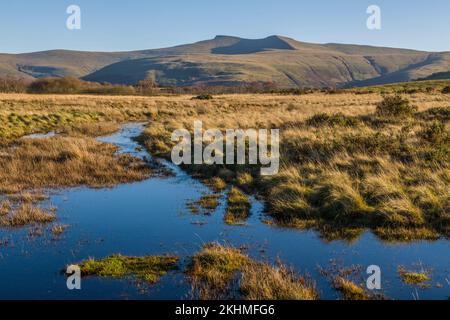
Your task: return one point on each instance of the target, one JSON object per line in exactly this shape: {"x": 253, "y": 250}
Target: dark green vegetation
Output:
{"x": 232, "y": 61}
{"x": 149, "y": 269}
{"x": 219, "y": 272}
{"x": 204, "y": 97}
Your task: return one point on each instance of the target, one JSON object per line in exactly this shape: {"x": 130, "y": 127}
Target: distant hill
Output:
{"x": 227, "y": 60}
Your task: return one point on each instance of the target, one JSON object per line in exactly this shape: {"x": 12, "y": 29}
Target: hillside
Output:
{"x": 227, "y": 60}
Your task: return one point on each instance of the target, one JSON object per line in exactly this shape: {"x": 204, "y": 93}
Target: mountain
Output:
{"x": 227, "y": 60}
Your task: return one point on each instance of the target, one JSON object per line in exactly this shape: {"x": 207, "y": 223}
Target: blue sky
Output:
{"x": 115, "y": 25}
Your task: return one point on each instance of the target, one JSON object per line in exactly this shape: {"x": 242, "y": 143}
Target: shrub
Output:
{"x": 395, "y": 106}
{"x": 434, "y": 132}
{"x": 56, "y": 85}
{"x": 338, "y": 119}
{"x": 70, "y": 85}
{"x": 204, "y": 97}
{"x": 446, "y": 90}
{"x": 14, "y": 85}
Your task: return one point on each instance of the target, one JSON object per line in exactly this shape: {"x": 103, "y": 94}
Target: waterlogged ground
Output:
{"x": 151, "y": 218}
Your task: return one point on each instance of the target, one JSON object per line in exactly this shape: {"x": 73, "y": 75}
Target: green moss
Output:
{"x": 149, "y": 269}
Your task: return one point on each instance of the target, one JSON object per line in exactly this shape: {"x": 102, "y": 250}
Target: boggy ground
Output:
{"x": 29, "y": 167}
{"x": 346, "y": 165}
{"x": 349, "y": 162}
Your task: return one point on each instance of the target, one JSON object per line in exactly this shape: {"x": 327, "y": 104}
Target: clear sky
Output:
{"x": 117, "y": 25}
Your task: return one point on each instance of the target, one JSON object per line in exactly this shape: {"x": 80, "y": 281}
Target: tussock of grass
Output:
{"x": 413, "y": 278}
{"x": 350, "y": 290}
{"x": 207, "y": 204}
{"x": 339, "y": 199}
{"x": 264, "y": 282}
{"x": 27, "y": 214}
{"x": 59, "y": 229}
{"x": 219, "y": 272}
{"x": 216, "y": 183}
{"x": 238, "y": 207}
{"x": 5, "y": 206}
{"x": 245, "y": 180}
{"x": 149, "y": 269}
{"x": 213, "y": 269}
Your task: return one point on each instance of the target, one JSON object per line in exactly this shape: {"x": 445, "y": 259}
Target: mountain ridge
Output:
{"x": 229, "y": 60}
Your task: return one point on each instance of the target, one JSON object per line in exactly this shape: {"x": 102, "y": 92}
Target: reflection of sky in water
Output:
{"x": 150, "y": 217}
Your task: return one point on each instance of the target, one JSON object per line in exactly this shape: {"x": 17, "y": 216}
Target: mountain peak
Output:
{"x": 247, "y": 46}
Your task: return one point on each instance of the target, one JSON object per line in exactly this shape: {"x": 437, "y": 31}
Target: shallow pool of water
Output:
{"x": 150, "y": 217}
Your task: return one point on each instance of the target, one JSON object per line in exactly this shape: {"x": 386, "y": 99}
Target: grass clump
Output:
{"x": 265, "y": 282}
{"x": 149, "y": 269}
{"x": 5, "y": 206}
{"x": 59, "y": 229}
{"x": 207, "y": 204}
{"x": 27, "y": 214}
{"x": 349, "y": 290}
{"x": 339, "y": 199}
{"x": 216, "y": 183}
{"x": 213, "y": 269}
{"x": 219, "y": 272}
{"x": 413, "y": 278}
{"x": 245, "y": 180}
{"x": 238, "y": 209}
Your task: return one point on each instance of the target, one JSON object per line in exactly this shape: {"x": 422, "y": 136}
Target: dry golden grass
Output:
{"x": 65, "y": 162}
{"x": 26, "y": 214}
{"x": 350, "y": 290}
{"x": 265, "y": 282}
{"x": 90, "y": 129}
{"x": 220, "y": 272}
{"x": 59, "y": 229}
